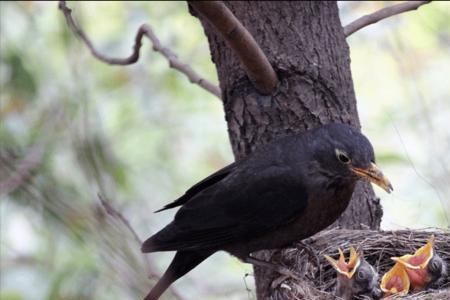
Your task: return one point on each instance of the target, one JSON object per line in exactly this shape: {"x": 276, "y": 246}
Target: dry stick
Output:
{"x": 110, "y": 210}
{"x": 253, "y": 59}
{"x": 382, "y": 14}
{"x": 33, "y": 157}
{"x": 117, "y": 214}
{"x": 144, "y": 30}
{"x": 24, "y": 169}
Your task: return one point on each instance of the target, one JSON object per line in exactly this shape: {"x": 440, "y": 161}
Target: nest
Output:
{"x": 307, "y": 258}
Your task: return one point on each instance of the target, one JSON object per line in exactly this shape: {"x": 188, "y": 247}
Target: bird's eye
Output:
{"x": 435, "y": 265}
{"x": 342, "y": 156}
{"x": 361, "y": 275}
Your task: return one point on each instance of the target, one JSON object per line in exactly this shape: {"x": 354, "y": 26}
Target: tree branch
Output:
{"x": 144, "y": 30}
{"x": 238, "y": 38}
{"x": 117, "y": 214}
{"x": 110, "y": 210}
{"x": 382, "y": 14}
{"x": 23, "y": 170}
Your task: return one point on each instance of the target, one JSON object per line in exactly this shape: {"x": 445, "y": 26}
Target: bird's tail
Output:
{"x": 183, "y": 262}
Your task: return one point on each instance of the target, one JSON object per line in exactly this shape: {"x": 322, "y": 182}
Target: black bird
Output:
{"x": 284, "y": 191}
{"x": 355, "y": 278}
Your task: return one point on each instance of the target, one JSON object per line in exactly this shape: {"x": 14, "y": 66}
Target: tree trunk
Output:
{"x": 305, "y": 43}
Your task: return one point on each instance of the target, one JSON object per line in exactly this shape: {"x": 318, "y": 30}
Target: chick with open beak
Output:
{"x": 425, "y": 267}
{"x": 395, "y": 281}
{"x": 355, "y": 277}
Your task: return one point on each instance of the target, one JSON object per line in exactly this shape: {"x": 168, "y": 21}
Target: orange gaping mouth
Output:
{"x": 395, "y": 281}
{"x": 420, "y": 258}
{"x": 416, "y": 264}
{"x": 345, "y": 268}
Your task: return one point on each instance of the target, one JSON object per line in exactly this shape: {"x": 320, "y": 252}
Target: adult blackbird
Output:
{"x": 355, "y": 278}
{"x": 284, "y": 191}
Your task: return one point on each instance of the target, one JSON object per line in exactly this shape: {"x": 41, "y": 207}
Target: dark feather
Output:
{"x": 200, "y": 186}
{"x": 221, "y": 216}
{"x": 182, "y": 263}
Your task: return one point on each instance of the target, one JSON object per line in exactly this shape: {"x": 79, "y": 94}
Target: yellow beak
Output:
{"x": 345, "y": 268}
{"x": 420, "y": 258}
{"x": 374, "y": 175}
{"x": 416, "y": 265}
{"x": 395, "y": 281}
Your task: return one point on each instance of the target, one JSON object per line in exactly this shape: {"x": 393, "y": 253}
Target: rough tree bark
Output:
{"x": 305, "y": 43}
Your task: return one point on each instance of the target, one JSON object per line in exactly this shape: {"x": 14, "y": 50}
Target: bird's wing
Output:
{"x": 200, "y": 186}
{"x": 237, "y": 209}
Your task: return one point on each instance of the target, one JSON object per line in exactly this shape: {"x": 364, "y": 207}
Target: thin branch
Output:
{"x": 23, "y": 171}
{"x": 118, "y": 215}
{"x": 110, "y": 210}
{"x": 144, "y": 30}
{"x": 114, "y": 213}
{"x": 382, "y": 14}
{"x": 238, "y": 38}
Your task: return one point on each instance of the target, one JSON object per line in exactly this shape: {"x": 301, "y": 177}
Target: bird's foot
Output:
{"x": 287, "y": 273}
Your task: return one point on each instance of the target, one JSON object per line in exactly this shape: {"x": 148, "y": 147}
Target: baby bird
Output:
{"x": 425, "y": 268}
{"x": 395, "y": 281}
{"x": 355, "y": 277}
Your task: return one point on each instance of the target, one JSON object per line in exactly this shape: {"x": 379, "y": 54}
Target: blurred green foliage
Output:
{"x": 141, "y": 134}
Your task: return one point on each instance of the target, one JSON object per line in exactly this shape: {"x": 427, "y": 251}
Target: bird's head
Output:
{"x": 424, "y": 266}
{"x": 355, "y": 277}
{"x": 342, "y": 151}
{"x": 365, "y": 280}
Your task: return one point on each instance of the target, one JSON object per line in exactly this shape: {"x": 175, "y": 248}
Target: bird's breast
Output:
{"x": 321, "y": 211}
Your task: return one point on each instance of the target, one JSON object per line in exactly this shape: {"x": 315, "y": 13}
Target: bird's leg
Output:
{"x": 276, "y": 268}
